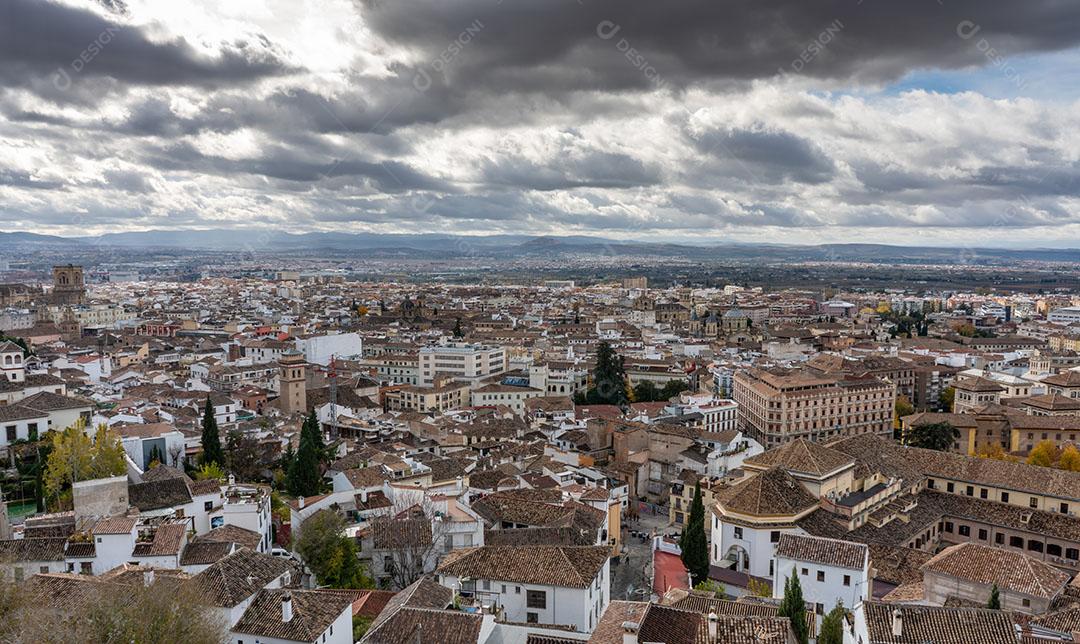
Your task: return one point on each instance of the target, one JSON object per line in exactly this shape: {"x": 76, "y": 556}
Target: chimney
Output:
{"x": 897, "y": 623}
{"x": 147, "y": 577}
{"x": 300, "y": 502}
{"x": 286, "y": 607}
{"x": 629, "y": 632}
{"x": 713, "y": 624}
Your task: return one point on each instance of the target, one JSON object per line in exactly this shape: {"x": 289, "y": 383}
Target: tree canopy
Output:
{"x": 304, "y": 477}
{"x": 793, "y": 606}
{"x": 695, "y": 548}
{"x": 832, "y": 626}
{"x": 211, "y": 439}
{"x": 330, "y": 554}
{"x": 609, "y": 378}
{"x": 74, "y": 456}
{"x": 938, "y": 436}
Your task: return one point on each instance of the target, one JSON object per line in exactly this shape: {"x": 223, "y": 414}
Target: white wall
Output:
{"x": 758, "y": 544}
{"x": 824, "y": 593}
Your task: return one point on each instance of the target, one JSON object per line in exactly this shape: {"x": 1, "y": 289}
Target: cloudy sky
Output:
{"x": 915, "y": 121}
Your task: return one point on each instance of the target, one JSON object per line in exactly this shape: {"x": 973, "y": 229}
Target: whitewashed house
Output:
{"x": 829, "y": 570}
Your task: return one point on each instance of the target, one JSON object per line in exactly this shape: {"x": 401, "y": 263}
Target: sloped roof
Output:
{"x": 773, "y": 492}
{"x": 802, "y": 456}
{"x": 570, "y": 567}
{"x": 1009, "y": 569}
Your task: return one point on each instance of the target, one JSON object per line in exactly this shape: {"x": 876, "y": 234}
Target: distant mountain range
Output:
{"x": 507, "y": 246}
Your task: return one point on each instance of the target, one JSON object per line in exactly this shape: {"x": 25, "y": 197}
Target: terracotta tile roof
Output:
{"x": 155, "y": 495}
{"x": 32, "y": 549}
{"x": 938, "y": 625}
{"x": 907, "y": 593}
{"x": 313, "y": 613}
{"x": 1066, "y": 620}
{"x": 673, "y": 626}
{"x": 1009, "y": 569}
{"x": 115, "y": 525}
{"x": 233, "y": 534}
{"x": 362, "y": 477}
{"x": 426, "y": 626}
{"x": 821, "y": 550}
{"x": 168, "y": 539}
{"x": 802, "y": 456}
{"x": 705, "y": 604}
{"x": 771, "y": 493}
{"x": 238, "y": 576}
{"x": 199, "y": 553}
{"x": 609, "y": 630}
{"x": 570, "y": 567}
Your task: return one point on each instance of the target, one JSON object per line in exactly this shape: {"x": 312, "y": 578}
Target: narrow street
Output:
{"x": 630, "y": 579}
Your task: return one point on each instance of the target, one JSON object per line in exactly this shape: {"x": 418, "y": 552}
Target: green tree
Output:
{"x": 832, "y": 626}
{"x": 673, "y": 388}
{"x": 938, "y": 436}
{"x": 304, "y": 477}
{"x": 211, "y": 439}
{"x": 710, "y": 586}
{"x": 793, "y": 607}
{"x": 210, "y": 471}
{"x": 609, "y": 377}
{"x": 946, "y": 399}
{"x": 330, "y": 554}
{"x": 695, "y": 549}
{"x": 995, "y": 598}
{"x": 73, "y": 456}
{"x": 458, "y": 333}
{"x": 645, "y": 391}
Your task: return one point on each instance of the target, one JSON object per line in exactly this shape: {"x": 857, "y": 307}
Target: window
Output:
{"x": 1053, "y": 549}
{"x": 774, "y": 536}
{"x": 44, "y": 570}
{"x": 1035, "y": 546}
{"x": 208, "y": 505}
{"x": 948, "y": 527}
{"x": 1027, "y": 602}
{"x": 1072, "y": 553}
{"x": 847, "y": 580}
{"x": 999, "y": 538}
{"x": 1004, "y": 497}
{"x": 984, "y": 493}
{"x": 738, "y": 532}
{"x": 1064, "y": 508}
{"x": 536, "y": 599}
{"x": 821, "y": 575}
{"x": 804, "y": 572}
{"x": 1016, "y": 542}
{"x": 517, "y": 589}
{"x": 970, "y": 491}
{"x": 532, "y": 618}
{"x": 486, "y": 585}
{"x": 965, "y": 531}
{"x": 10, "y": 433}
{"x": 1033, "y": 502}
{"x": 982, "y": 534}
{"x": 950, "y": 487}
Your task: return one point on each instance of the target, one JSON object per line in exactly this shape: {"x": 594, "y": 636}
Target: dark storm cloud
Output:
{"x": 593, "y": 169}
{"x": 51, "y": 48}
{"x": 20, "y": 179}
{"x": 292, "y": 166}
{"x": 761, "y": 155}
{"x": 562, "y": 44}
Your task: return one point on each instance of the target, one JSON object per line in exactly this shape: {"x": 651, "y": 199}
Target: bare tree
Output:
{"x": 409, "y": 541}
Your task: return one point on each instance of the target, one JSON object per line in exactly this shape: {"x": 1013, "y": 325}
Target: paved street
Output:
{"x": 630, "y": 578}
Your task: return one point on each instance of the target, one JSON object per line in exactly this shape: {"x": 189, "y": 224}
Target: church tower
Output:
{"x": 68, "y": 285}
{"x": 292, "y": 387}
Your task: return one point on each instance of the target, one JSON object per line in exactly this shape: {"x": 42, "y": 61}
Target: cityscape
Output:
{"x": 473, "y": 322}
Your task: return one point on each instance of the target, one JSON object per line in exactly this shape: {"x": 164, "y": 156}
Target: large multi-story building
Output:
{"x": 780, "y": 405}
{"x": 461, "y": 361}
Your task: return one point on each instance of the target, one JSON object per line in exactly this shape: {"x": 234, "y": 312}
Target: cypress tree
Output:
{"x": 609, "y": 377}
{"x": 695, "y": 549}
{"x": 793, "y": 606}
{"x": 832, "y": 626}
{"x": 995, "y": 598}
{"x": 211, "y": 440}
{"x": 303, "y": 478}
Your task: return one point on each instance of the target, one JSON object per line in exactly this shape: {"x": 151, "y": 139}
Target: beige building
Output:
{"x": 443, "y": 397}
{"x": 461, "y": 361}
{"x": 781, "y": 405}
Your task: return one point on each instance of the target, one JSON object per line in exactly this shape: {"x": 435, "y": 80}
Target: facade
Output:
{"x": 830, "y": 571}
{"x": 777, "y": 406}
{"x": 461, "y": 361}
{"x": 292, "y": 384}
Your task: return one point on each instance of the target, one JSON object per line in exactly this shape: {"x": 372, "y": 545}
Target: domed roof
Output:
{"x": 734, "y": 313}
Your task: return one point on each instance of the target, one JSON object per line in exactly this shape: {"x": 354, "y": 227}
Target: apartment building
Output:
{"x": 461, "y": 361}
{"x": 781, "y": 405}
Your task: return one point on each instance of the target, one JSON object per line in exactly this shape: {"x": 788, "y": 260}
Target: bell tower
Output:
{"x": 292, "y": 388}
{"x": 68, "y": 285}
